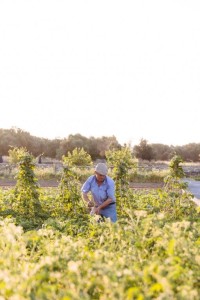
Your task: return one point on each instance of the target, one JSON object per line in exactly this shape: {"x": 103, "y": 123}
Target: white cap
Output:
{"x": 101, "y": 168}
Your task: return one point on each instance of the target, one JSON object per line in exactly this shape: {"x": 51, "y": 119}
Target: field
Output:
{"x": 152, "y": 252}
{"x": 51, "y": 248}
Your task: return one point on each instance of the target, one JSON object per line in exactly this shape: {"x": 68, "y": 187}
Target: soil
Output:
{"x": 146, "y": 185}
{"x": 5, "y": 183}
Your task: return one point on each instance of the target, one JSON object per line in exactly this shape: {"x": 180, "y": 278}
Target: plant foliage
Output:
{"x": 151, "y": 252}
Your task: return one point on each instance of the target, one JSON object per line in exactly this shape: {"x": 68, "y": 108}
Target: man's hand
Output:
{"x": 90, "y": 203}
{"x": 103, "y": 205}
{"x": 97, "y": 210}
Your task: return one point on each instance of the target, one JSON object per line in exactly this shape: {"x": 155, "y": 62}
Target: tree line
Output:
{"x": 96, "y": 147}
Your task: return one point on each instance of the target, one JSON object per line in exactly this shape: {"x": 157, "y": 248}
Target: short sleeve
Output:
{"x": 111, "y": 190}
{"x": 86, "y": 186}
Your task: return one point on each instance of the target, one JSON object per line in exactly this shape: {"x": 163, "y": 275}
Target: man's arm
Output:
{"x": 103, "y": 205}
{"x": 87, "y": 199}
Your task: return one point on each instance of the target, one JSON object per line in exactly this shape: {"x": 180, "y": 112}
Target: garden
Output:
{"x": 52, "y": 248}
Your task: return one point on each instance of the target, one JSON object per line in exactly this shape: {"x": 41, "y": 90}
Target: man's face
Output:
{"x": 99, "y": 177}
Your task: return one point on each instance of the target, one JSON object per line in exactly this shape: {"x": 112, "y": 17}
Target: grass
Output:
{"x": 52, "y": 172}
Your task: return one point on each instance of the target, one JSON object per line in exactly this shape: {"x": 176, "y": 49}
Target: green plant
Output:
{"x": 78, "y": 157}
{"x": 121, "y": 162}
{"x": 26, "y": 195}
{"x": 151, "y": 252}
{"x": 15, "y": 154}
{"x": 176, "y": 169}
{"x": 69, "y": 197}
{"x": 177, "y": 200}
{"x": 172, "y": 181}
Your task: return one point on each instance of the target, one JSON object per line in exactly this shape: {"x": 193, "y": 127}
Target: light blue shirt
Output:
{"x": 102, "y": 193}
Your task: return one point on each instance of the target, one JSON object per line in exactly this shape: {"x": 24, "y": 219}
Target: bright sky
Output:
{"x": 100, "y": 68}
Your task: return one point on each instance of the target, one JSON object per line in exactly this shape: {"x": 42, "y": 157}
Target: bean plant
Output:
{"x": 172, "y": 181}
{"x": 78, "y": 157}
{"x": 121, "y": 161}
{"x": 151, "y": 252}
{"x": 26, "y": 192}
{"x": 15, "y": 154}
{"x": 69, "y": 198}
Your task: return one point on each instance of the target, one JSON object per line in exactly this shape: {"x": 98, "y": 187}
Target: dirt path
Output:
{"x": 42, "y": 183}
{"x": 8, "y": 183}
{"x": 54, "y": 183}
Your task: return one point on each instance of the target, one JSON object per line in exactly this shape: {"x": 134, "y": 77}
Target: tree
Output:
{"x": 161, "y": 152}
{"x": 143, "y": 150}
{"x": 104, "y": 144}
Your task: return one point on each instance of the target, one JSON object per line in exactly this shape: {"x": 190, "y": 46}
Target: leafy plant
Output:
{"x": 172, "y": 181}
{"x": 26, "y": 194}
{"x": 15, "y": 154}
{"x": 121, "y": 162}
{"x": 78, "y": 157}
{"x": 69, "y": 197}
{"x": 176, "y": 169}
{"x": 151, "y": 252}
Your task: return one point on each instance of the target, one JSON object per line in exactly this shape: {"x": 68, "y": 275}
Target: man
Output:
{"x": 102, "y": 188}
